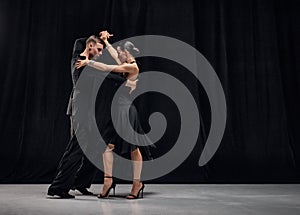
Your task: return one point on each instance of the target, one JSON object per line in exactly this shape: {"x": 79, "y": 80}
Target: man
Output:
{"x": 87, "y": 171}
{"x": 75, "y": 170}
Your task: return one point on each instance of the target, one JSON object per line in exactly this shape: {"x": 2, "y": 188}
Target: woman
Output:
{"x": 129, "y": 69}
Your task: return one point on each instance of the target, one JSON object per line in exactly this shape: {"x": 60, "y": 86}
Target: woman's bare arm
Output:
{"x": 128, "y": 68}
{"x": 113, "y": 53}
{"x": 104, "y": 35}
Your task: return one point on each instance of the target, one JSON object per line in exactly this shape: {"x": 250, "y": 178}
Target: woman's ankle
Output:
{"x": 107, "y": 180}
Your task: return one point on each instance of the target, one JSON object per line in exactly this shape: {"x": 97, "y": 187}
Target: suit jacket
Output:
{"x": 78, "y": 48}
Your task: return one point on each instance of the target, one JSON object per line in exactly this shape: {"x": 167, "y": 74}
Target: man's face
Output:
{"x": 95, "y": 50}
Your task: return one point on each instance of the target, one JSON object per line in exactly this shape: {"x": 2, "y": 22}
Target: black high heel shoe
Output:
{"x": 112, "y": 186}
{"x": 141, "y": 190}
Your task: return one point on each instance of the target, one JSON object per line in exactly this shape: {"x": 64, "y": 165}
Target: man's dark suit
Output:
{"x": 75, "y": 170}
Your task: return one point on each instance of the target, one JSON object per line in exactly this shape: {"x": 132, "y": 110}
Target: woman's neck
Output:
{"x": 130, "y": 60}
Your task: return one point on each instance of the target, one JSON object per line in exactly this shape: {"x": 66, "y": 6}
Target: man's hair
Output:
{"x": 92, "y": 39}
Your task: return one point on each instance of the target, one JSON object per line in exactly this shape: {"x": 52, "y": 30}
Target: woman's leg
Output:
{"x": 137, "y": 161}
{"x": 108, "y": 161}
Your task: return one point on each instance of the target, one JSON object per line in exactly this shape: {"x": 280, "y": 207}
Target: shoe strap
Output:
{"x": 106, "y": 176}
{"x": 132, "y": 195}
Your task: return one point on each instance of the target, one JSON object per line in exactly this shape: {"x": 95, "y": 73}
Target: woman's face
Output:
{"x": 122, "y": 55}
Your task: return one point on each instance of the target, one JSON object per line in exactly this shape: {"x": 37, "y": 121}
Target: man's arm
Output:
{"x": 78, "y": 48}
{"x": 116, "y": 78}
{"x": 120, "y": 80}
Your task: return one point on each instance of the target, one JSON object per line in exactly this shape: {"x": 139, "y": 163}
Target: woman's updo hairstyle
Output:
{"x": 130, "y": 47}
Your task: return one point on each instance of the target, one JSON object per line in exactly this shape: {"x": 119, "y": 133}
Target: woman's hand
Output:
{"x": 131, "y": 84}
{"x": 104, "y": 35}
{"x": 81, "y": 63}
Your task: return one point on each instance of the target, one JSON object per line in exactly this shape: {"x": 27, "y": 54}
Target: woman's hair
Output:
{"x": 130, "y": 47}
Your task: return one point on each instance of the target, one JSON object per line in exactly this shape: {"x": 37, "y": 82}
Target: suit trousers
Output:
{"x": 74, "y": 170}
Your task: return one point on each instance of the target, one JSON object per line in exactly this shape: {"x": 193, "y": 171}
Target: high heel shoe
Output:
{"x": 141, "y": 190}
{"x": 112, "y": 186}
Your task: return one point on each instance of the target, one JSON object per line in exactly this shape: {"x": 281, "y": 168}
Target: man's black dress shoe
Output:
{"x": 61, "y": 194}
{"x": 84, "y": 191}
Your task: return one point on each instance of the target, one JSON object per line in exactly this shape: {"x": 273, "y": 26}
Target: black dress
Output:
{"x": 120, "y": 117}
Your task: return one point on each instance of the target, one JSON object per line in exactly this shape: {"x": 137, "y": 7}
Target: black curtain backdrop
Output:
{"x": 252, "y": 45}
